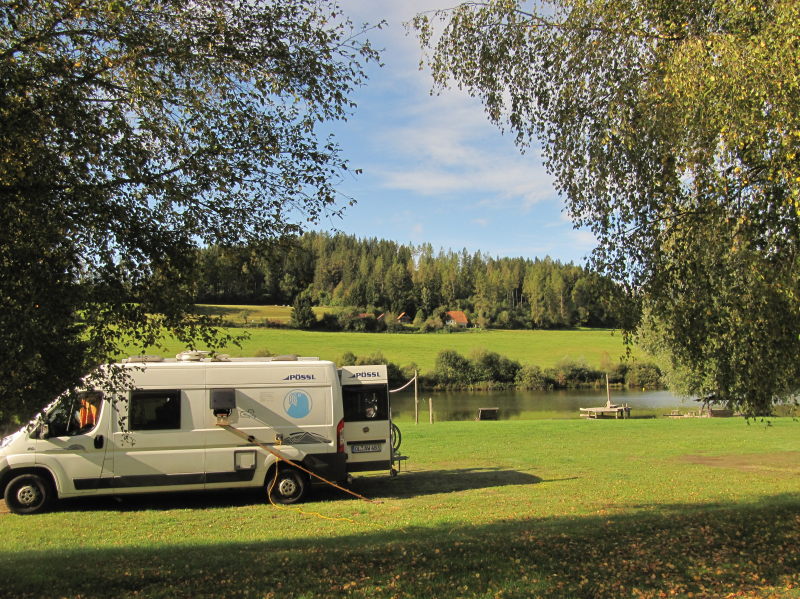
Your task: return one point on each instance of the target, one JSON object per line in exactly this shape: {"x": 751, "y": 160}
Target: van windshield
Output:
{"x": 74, "y": 414}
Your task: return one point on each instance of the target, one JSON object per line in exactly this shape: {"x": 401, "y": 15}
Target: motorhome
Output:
{"x": 306, "y": 420}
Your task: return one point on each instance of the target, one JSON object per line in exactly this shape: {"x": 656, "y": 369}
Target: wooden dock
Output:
{"x": 488, "y": 414}
{"x": 607, "y": 410}
{"x": 610, "y": 409}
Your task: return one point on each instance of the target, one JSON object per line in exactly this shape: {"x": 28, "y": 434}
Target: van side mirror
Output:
{"x": 44, "y": 430}
{"x": 223, "y": 401}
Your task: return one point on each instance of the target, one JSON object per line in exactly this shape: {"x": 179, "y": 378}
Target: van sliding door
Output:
{"x": 158, "y": 449}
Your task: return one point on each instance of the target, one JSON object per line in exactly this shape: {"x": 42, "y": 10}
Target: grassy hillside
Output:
{"x": 509, "y": 509}
{"x": 543, "y": 348}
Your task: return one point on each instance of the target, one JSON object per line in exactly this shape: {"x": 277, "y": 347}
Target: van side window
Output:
{"x": 155, "y": 410}
{"x": 365, "y": 402}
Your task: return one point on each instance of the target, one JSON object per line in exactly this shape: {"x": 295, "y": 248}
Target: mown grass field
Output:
{"x": 508, "y": 509}
{"x": 254, "y": 315}
{"x": 541, "y": 348}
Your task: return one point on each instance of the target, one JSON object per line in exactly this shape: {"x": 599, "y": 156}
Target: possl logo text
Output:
{"x": 299, "y": 377}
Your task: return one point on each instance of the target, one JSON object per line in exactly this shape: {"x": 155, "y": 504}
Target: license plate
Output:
{"x": 366, "y": 448}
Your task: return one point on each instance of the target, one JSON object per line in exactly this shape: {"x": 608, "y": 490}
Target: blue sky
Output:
{"x": 434, "y": 169}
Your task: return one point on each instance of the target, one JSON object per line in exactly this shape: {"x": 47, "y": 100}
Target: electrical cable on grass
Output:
{"x": 281, "y": 457}
{"x": 298, "y": 509}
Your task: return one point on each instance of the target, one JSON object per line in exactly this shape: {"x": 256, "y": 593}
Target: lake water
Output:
{"x": 463, "y": 405}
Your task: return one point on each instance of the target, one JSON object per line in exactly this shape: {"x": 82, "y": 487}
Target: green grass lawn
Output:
{"x": 508, "y": 509}
{"x": 542, "y": 348}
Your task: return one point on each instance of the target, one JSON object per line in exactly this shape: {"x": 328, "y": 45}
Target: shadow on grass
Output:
{"x": 405, "y": 485}
{"x": 194, "y": 500}
{"x": 430, "y": 482}
{"x": 665, "y": 551}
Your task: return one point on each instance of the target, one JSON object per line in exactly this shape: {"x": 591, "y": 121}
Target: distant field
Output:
{"x": 542, "y": 348}
{"x": 255, "y": 315}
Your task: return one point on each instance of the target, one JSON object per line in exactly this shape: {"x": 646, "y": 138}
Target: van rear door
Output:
{"x": 367, "y": 424}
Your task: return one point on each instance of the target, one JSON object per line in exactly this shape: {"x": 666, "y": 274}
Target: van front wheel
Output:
{"x": 28, "y": 494}
{"x": 289, "y": 486}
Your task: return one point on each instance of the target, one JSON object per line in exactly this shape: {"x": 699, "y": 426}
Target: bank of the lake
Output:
{"x": 534, "y": 405}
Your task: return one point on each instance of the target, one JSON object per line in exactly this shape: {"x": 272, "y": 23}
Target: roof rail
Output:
{"x": 142, "y": 359}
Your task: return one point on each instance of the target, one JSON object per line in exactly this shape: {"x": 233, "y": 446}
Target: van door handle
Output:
{"x": 98, "y": 442}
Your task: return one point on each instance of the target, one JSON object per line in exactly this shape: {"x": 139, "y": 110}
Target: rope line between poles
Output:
{"x": 414, "y": 378}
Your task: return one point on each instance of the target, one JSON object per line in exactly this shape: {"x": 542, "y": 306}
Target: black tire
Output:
{"x": 29, "y": 494}
{"x": 288, "y": 487}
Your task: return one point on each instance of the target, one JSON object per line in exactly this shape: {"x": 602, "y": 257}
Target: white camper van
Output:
{"x": 165, "y": 436}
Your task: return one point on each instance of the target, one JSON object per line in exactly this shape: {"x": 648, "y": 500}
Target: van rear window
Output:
{"x": 155, "y": 410}
{"x": 365, "y": 402}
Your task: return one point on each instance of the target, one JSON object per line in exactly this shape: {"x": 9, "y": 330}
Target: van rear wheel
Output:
{"x": 288, "y": 487}
{"x": 29, "y": 494}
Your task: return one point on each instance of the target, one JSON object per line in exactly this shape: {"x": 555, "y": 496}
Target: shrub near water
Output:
{"x": 573, "y": 373}
{"x": 489, "y": 370}
{"x": 532, "y": 378}
{"x": 644, "y": 375}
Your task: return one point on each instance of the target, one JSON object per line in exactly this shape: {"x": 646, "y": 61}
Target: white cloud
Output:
{"x": 583, "y": 239}
{"x": 457, "y": 179}
{"x": 436, "y": 158}
{"x": 440, "y": 145}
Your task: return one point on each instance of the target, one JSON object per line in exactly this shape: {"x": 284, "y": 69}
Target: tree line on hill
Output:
{"x": 379, "y": 275}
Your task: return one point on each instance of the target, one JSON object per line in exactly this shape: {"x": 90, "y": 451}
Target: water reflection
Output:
{"x": 463, "y": 405}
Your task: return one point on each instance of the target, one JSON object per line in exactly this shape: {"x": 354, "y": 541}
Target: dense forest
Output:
{"x": 377, "y": 276}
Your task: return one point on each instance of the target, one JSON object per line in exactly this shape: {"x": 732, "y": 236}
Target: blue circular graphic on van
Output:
{"x": 297, "y": 404}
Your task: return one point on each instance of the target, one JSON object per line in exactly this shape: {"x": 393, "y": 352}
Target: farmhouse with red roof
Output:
{"x": 456, "y": 318}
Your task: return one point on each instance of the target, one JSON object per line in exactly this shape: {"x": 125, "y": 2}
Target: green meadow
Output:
{"x": 508, "y": 509}
{"x": 541, "y": 348}
{"x": 253, "y": 315}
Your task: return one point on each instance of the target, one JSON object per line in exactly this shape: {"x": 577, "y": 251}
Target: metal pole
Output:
{"x": 416, "y": 400}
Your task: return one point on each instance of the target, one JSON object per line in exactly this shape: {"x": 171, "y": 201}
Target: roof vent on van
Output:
{"x": 191, "y": 355}
{"x": 285, "y": 358}
{"x": 221, "y": 358}
{"x": 142, "y": 359}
